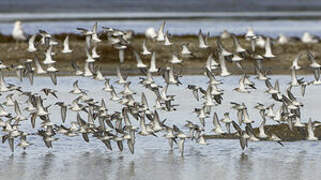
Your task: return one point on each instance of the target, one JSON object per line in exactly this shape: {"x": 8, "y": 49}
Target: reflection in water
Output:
{"x": 46, "y": 165}
{"x": 287, "y": 163}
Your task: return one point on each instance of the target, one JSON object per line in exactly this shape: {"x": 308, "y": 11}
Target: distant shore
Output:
{"x": 13, "y": 53}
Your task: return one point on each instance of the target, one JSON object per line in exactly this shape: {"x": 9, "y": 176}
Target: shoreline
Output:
{"x": 281, "y": 130}
{"x": 12, "y": 54}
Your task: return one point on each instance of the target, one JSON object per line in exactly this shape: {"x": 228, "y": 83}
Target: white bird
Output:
{"x": 152, "y": 67}
{"x": 223, "y": 51}
{"x": 282, "y": 39}
{"x": 66, "y": 46}
{"x": 225, "y": 34}
{"x": 88, "y": 34}
{"x": 175, "y": 60}
{"x": 99, "y": 76}
{"x": 139, "y": 60}
{"x": 314, "y": 63}
{"x": 145, "y": 50}
{"x": 211, "y": 64}
{"x": 202, "y": 43}
{"x": 261, "y": 129}
{"x": 236, "y": 58}
{"x": 17, "y": 32}
{"x": 246, "y": 118}
{"x": 238, "y": 47}
{"x": 39, "y": 69}
{"x": 89, "y": 59}
{"x": 250, "y": 33}
{"x": 150, "y": 33}
{"x": 185, "y": 50}
{"x": 9, "y": 100}
{"x": 87, "y": 70}
{"x": 317, "y": 80}
{"x": 308, "y": 38}
{"x": 160, "y": 34}
{"x": 48, "y": 60}
{"x": 224, "y": 70}
{"x": 260, "y": 42}
{"x": 242, "y": 87}
{"x": 295, "y": 63}
{"x": 294, "y": 81}
{"x": 3, "y": 84}
{"x": 94, "y": 36}
{"x": 76, "y": 89}
{"x": 121, "y": 80}
{"x": 107, "y": 86}
{"x": 310, "y": 129}
{"x": 217, "y": 126}
{"x": 167, "y": 42}
{"x": 94, "y": 52}
{"x": 298, "y": 122}
{"x": 31, "y": 43}
{"x": 268, "y": 49}
{"x": 45, "y": 37}
{"x": 121, "y": 55}
{"x": 52, "y": 71}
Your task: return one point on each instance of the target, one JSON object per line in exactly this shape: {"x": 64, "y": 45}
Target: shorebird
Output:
{"x": 88, "y": 34}
{"x": 150, "y": 33}
{"x": 185, "y": 51}
{"x": 152, "y": 67}
{"x": 145, "y": 50}
{"x": 260, "y": 42}
{"x": 250, "y": 33}
{"x": 175, "y": 60}
{"x": 211, "y": 63}
{"x": 268, "y": 49}
{"x": 262, "y": 133}
{"x": 317, "y": 80}
{"x": 66, "y": 49}
{"x": 225, "y": 34}
{"x": 94, "y": 53}
{"x": 242, "y": 88}
{"x": 295, "y": 63}
{"x": 217, "y": 126}
{"x": 94, "y": 36}
{"x": 308, "y": 38}
{"x": 238, "y": 48}
{"x": 31, "y": 43}
{"x": 310, "y": 130}
{"x": 314, "y": 63}
{"x": 224, "y": 70}
{"x": 202, "y": 43}
{"x": 48, "y": 60}
{"x": 222, "y": 50}
{"x": 139, "y": 60}
{"x": 160, "y": 34}
{"x": 167, "y": 42}
{"x": 18, "y": 33}
{"x": 282, "y": 39}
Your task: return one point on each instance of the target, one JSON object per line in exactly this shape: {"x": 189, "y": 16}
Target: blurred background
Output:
{"x": 269, "y": 17}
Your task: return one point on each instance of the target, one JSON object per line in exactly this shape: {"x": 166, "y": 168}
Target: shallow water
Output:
{"x": 72, "y": 158}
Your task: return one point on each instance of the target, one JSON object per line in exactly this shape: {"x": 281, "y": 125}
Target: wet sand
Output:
{"x": 12, "y": 53}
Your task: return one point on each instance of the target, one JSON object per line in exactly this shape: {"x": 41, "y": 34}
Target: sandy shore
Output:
{"x": 281, "y": 130}
{"x": 13, "y": 53}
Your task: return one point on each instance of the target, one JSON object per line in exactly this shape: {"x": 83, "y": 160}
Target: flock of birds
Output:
{"x": 137, "y": 118}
